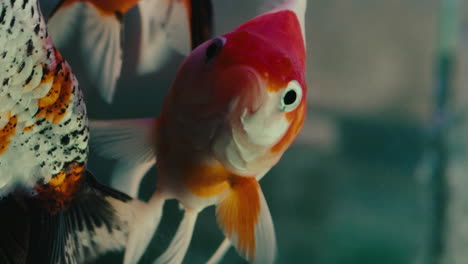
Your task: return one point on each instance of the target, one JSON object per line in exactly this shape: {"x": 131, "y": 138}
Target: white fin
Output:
{"x": 245, "y": 219}
{"x": 176, "y": 251}
{"x": 101, "y": 48}
{"x": 142, "y": 230}
{"x": 63, "y": 21}
{"x": 220, "y": 252}
{"x": 129, "y": 140}
{"x": 178, "y": 27}
{"x": 265, "y": 237}
{"x": 154, "y": 47}
{"x": 172, "y": 24}
{"x": 127, "y": 176}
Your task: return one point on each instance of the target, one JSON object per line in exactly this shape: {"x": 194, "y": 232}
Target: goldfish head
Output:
{"x": 257, "y": 72}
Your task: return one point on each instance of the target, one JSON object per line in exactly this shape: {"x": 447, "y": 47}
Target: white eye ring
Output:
{"x": 292, "y": 96}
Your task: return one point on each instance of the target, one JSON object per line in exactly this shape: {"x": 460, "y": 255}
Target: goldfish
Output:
{"x": 53, "y": 208}
{"x": 236, "y": 104}
{"x": 166, "y": 25}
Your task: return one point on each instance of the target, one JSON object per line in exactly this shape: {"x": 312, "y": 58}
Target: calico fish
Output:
{"x": 53, "y": 209}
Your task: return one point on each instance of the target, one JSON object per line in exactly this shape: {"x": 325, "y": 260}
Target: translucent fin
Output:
{"x": 128, "y": 140}
{"x": 171, "y": 24}
{"x": 142, "y": 230}
{"x": 101, "y": 48}
{"x": 176, "y": 251}
{"x": 178, "y": 26}
{"x": 63, "y": 20}
{"x": 220, "y": 252}
{"x": 127, "y": 177}
{"x": 245, "y": 219}
{"x": 154, "y": 46}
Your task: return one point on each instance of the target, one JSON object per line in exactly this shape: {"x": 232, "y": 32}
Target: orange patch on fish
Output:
{"x": 51, "y": 96}
{"x": 6, "y": 133}
{"x": 54, "y": 105}
{"x": 297, "y": 118}
{"x": 107, "y": 7}
{"x": 60, "y": 191}
{"x": 207, "y": 180}
{"x": 239, "y": 211}
{"x": 28, "y": 128}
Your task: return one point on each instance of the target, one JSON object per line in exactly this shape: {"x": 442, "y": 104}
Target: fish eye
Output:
{"x": 292, "y": 96}
{"x": 214, "y": 49}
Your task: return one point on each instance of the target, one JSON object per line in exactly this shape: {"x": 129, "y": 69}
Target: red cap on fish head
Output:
{"x": 273, "y": 44}
{"x": 282, "y": 29}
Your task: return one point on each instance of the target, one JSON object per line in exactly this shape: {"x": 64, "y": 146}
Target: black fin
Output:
{"x": 95, "y": 222}
{"x": 14, "y": 230}
{"x": 72, "y": 234}
{"x": 201, "y": 21}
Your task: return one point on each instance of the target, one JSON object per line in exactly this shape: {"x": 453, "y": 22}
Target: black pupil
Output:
{"x": 213, "y": 49}
{"x": 290, "y": 97}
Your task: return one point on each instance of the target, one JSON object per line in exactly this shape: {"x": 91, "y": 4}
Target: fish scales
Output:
{"x": 43, "y": 119}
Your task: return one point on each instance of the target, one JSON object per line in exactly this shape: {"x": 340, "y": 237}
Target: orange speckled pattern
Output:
{"x": 107, "y": 7}
{"x": 54, "y": 105}
{"x": 58, "y": 193}
{"x": 238, "y": 213}
{"x": 6, "y": 133}
{"x": 207, "y": 181}
{"x": 28, "y": 128}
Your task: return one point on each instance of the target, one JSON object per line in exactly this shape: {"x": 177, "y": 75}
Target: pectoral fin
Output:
{"x": 130, "y": 142}
{"x": 245, "y": 219}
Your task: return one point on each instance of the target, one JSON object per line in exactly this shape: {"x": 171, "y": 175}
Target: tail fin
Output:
{"x": 176, "y": 251}
{"x": 166, "y": 25}
{"x": 101, "y": 46}
{"x": 143, "y": 228}
{"x": 15, "y": 229}
{"x": 64, "y": 20}
{"x": 220, "y": 252}
{"x": 96, "y": 221}
{"x": 100, "y": 40}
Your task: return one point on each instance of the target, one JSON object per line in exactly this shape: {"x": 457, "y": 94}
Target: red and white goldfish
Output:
{"x": 165, "y": 25}
{"x": 237, "y": 103}
{"x": 54, "y": 211}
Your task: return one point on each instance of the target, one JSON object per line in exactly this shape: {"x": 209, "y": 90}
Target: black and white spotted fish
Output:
{"x": 53, "y": 210}
{"x": 166, "y": 25}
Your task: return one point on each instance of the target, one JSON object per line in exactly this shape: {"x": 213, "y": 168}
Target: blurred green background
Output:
{"x": 359, "y": 184}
